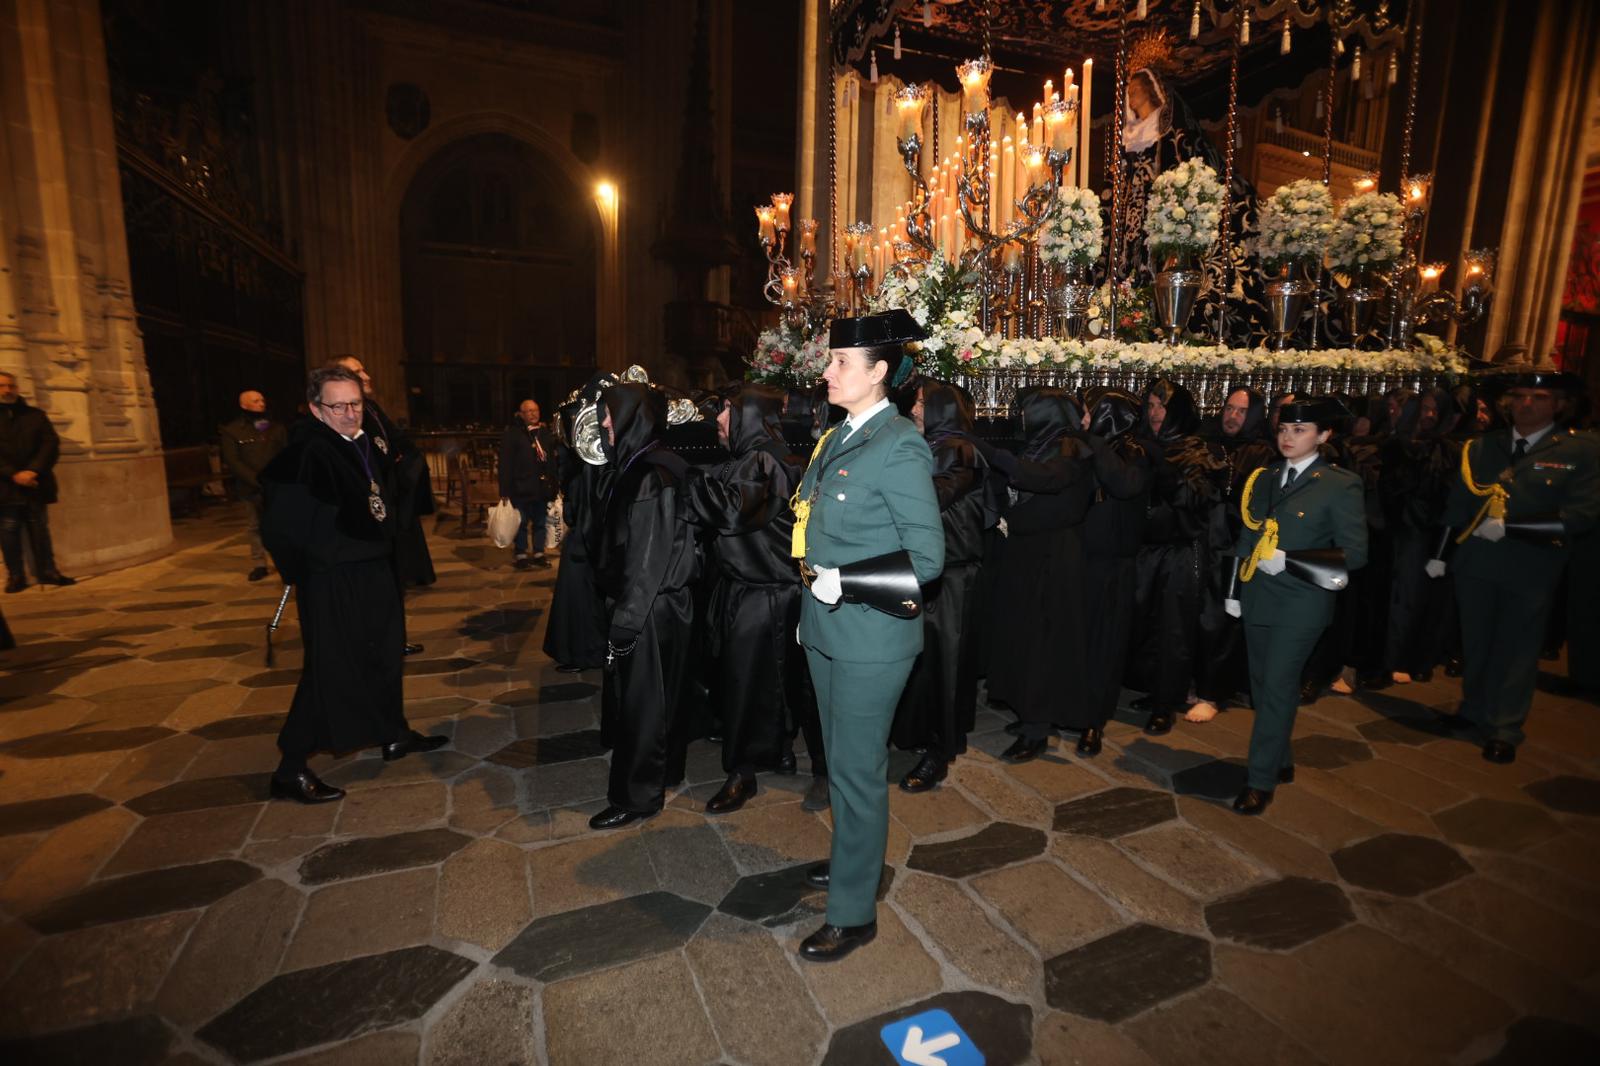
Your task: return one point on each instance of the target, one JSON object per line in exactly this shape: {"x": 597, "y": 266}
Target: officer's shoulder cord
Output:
{"x": 1267, "y": 543}
{"x": 802, "y": 508}
{"x": 1495, "y": 496}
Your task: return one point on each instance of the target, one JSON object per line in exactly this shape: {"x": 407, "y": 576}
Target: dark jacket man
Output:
{"x": 527, "y": 462}
{"x": 27, "y": 442}
{"x": 249, "y": 442}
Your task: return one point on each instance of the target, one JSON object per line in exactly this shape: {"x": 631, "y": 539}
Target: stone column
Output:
{"x": 67, "y": 325}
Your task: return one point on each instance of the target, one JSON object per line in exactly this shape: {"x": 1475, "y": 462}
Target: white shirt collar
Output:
{"x": 1298, "y": 467}
{"x": 1532, "y": 438}
{"x": 855, "y": 422}
{"x": 353, "y": 439}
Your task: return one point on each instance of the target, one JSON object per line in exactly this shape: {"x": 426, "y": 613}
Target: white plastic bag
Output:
{"x": 504, "y": 521}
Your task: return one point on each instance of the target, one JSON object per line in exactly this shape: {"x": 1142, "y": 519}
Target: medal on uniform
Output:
{"x": 375, "y": 502}
{"x": 383, "y": 445}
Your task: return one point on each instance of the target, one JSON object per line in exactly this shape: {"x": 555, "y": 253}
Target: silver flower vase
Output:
{"x": 1069, "y": 301}
{"x": 1286, "y": 300}
{"x": 1361, "y": 302}
{"x": 1177, "y": 287}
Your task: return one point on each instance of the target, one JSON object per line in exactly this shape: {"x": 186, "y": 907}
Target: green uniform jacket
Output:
{"x": 871, "y": 495}
{"x": 1324, "y": 509}
{"x": 1558, "y": 476}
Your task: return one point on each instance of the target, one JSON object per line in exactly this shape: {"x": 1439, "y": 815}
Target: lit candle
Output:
{"x": 1085, "y": 121}
{"x": 909, "y": 102}
{"x": 1058, "y": 126}
{"x": 1049, "y": 91}
{"x": 791, "y": 285}
{"x": 808, "y": 236}
{"x": 1022, "y": 128}
{"x": 1011, "y": 257}
{"x": 1419, "y": 190}
{"x": 765, "y": 216}
{"x": 1367, "y": 182}
{"x": 1036, "y": 167}
{"x": 1008, "y": 182}
{"x": 974, "y": 76}
{"x": 1038, "y": 126}
{"x": 1430, "y": 277}
{"x": 780, "y": 203}
{"x": 862, "y": 250}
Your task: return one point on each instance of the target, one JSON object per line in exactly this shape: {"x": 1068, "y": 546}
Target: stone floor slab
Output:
{"x": 1126, "y": 884}
{"x": 492, "y": 1023}
{"x": 235, "y": 946}
{"x": 664, "y": 1025}
{"x": 965, "y": 935}
{"x": 1492, "y": 823}
{"x": 994, "y": 846}
{"x": 1115, "y": 812}
{"x": 547, "y": 751}
{"x": 1129, "y": 971}
{"x": 139, "y": 1041}
{"x": 589, "y": 870}
{"x": 56, "y": 745}
{"x": 1051, "y": 910}
{"x": 1521, "y": 923}
{"x": 1213, "y": 1027}
{"x": 176, "y": 888}
{"x": 742, "y": 972}
{"x": 202, "y": 794}
{"x": 1568, "y": 793}
{"x": 893, "y": 970}
{"x": 181, "y": 839}
{"x": 483, "y": 894}
{"x": 364, "y": 917}
{"x": 1280, "y": 915}
{"x": 1323, "y": 752}
{"x": 339, "y": 1001}
{"x": 606, "y": 934}
{"x": 374, "y": 812}
{"x": 1069, "y": 1040}
{"x": 1000, "y": 1030}
{"x": 1400, "y": 865}
{"x": 33, "y": 816}
{"x": 374, "y": 855}
{"x": 1192, "y": 860}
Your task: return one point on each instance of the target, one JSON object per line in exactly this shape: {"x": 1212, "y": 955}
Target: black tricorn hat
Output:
{"x": 1543, "y": 378}
{"x": 1323, "y": 410}
{"x": 869, "y": 331}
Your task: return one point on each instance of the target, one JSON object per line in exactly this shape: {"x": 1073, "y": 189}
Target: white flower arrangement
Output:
{"x": 787, "y": 356}
{"x": 1296, "y": 222}
{"x": 1184, "y": 211}
{"x": 1074, "y": 234}
{"x": 1367, "y": 233}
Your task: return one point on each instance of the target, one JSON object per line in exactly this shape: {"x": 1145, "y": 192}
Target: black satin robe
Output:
{"x": 413, "y": 495}
{"x": 754, "y": 608}
{"x": 646, "y": 562}
{"x": 1416, "y": 483}
{"x": 1036, "y": 615}
{"x": 940, "y": 704}
{"x": 576, "y": 634}
{"x": 341, "y": 560}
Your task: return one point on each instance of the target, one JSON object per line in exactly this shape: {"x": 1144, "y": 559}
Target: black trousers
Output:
{"x": 30, "y": 518}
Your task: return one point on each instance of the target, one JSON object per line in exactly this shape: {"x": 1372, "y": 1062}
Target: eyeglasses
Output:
{"x": 341, "y": 408}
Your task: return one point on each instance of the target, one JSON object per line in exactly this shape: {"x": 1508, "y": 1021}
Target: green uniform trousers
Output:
{"x": 1502, "y": 628}
{"x": 856, "y": 702}
{"x": 1278, "y": 655}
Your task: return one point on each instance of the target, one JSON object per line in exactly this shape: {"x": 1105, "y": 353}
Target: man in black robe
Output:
{"x": 940, "y": 704}
{"x": 329, "y": 526}
{"x": 576, "y": 635}
{"x": 755, "y": 601}
{"x": 1236, "y": 438}
{"x": 646, "y": 563}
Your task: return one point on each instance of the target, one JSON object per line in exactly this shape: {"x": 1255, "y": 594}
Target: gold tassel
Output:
{"x": 1267, "y": 543}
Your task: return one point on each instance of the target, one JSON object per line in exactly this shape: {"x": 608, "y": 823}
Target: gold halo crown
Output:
{"x": 1152, "y": 49}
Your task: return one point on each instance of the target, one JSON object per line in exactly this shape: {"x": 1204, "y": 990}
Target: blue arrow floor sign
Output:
{"x": 931, "y": 1038}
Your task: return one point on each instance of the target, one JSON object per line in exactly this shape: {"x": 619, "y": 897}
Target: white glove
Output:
{"x": 1491, "y": 529}
{"x": 825, "y": 586}
{"x": 1435, "y": 568}
{"x": 1274, "y": 563}
{"x": 1233, "y": 607}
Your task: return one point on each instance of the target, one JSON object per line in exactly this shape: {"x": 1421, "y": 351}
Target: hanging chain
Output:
{"x": 1411, "y": 94}
{"x": 1227, "y": 182}
{"x": 833, "y": 169}
{"x": 1327, "y": 104}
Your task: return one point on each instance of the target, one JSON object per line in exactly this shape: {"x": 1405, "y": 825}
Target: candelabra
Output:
{"x": 793, "y": 291}
{"x": 1414, "y": 298}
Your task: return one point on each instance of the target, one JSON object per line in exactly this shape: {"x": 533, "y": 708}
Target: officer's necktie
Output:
{"x": 1288, "y": 477}
{"x": 1519, "y": 449}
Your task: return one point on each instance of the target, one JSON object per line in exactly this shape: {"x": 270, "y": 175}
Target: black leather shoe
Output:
{"x": 1253, "y": 800}
{"x": 410, "y": 649}
{"x": 257, "y": 574}
{"x": 817, "y": 798}
{"x": 306, "y": 787}
{"x": 1022, "y": 749}
{"x": 1453, "y": 666}
{"x": 57, "y": 578}
{"x": 617, "y": 817}
{"x": 833, "y": 942}
{"x": 929, "y": 771}
{"x": 786, "y": 764}
{"x": 1089, "y": 743}
{"x": 415, "y": 742}
{"x": 733, "y": 794}
{"x": 541, "y": 562}
{"x": 1160, "y": 723}
{"x": 1499, "y": 751}
{"x": 16, "y": 584}
{"x": 817, "y": 876}
{"x": 1286, "y": 776}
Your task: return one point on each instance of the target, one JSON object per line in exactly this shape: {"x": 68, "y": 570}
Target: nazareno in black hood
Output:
{"x": 755, "y": 414}
{"x": 1046, "y": 413}
{"x": 1182, "y": 415}
{"x": 946, "y": 409}
{"x": 638, "y": 418}
{"x": 1112, "y": 412}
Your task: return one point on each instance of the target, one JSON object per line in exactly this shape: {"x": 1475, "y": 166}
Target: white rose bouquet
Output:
{"x": 1296, "y": 222}
{"x": 1074, "y": 234}
{"x": 787, "y": 356}
{"x": 1184, "y": 211}
{"x": 1367, "y": 234}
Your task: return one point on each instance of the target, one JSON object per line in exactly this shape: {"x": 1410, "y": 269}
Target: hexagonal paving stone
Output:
{"x": 338, "y": 1001}
{"x": 33, "y": 816}
{"x": 140, "y": 1041}
{"x": 1323, "y": 752}
{"x": 169, "y": 605}
{"x": 271, "y": 679}
{"x": 1126, "y": 972}
{"x": 202, "y": 651}
{"x": 245, "y": 725}
{"x": 1280, "y": 915}
{"x": 606, "y": 934}
{"x": 1001, "y": 1030}
{"x": 56, "y": 745}
{"x": 422, "y": 667}
{"x": 1404, "y": 721}
{"x": 782, "y": 897}
{"x": 1220, "y": 779}
{"x": 1546, "y": 1040}
{"x": 1568, "y": 794}
{"x": 1400, "y": 864}
{"x": 202, "y": 793}
{"x": 989, "y": 848}
{"x": 374, "y": 855}
{"x": 561, "y": 692}
{"x": 1498, "y": 824}
{"x": 545, "y": 751}
{"x": 1115, "y": 812}
{"x": 176, "y": 888}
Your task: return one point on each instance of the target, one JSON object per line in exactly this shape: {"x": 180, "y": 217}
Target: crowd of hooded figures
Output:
{"x": 857, "y": 591}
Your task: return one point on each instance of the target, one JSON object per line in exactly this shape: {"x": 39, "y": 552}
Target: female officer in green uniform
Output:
{"x": 868, "y": 533}
{"x": 1305, "y": 529}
